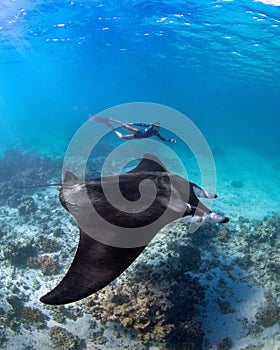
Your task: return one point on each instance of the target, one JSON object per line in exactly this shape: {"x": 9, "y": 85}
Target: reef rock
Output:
{"x": 63, "y": 340}
{"x": 156, "y": 301}
{"x": 27, "y": 206}
{"x": 18, "y": 253}
{"x": 49, "y": 265}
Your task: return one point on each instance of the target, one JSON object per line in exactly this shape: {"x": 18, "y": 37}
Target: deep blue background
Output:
{"x": 216, "y": 61}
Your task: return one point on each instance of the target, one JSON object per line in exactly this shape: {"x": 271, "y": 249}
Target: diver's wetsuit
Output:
{"x": 135, "y": 133}
{"x": 149, "y": 131}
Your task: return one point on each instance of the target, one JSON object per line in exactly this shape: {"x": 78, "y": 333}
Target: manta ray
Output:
{"x": 112, "y": 238}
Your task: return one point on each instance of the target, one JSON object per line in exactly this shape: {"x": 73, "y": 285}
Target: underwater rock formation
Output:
{"x": 156, "y": 301}
{"x": 164, "y": 323}
{"x": 49, "y": 265}
{"x": 269, "y": 313}
{"x": 157, "y": 297}
{"x": 261, "y": 249}
{"x": 47, "y": 245}
{"x": 63, "y": 340}
{"x": 33, "y": 262}
{"x": 30, "y": 170}
{"x": 27, "y": 206}
{"x": 188, "y": 336}
{"x": 18, "y": 253}
{"x": 3, "y": 339}
{"x": 19, "y": 315}
{"x": 225, "y": 344}
{"x": 61, "y": 314}
{"x": 33, "y": 316}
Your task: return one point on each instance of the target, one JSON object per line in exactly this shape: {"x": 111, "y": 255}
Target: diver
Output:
{"x": 145, "y": 130}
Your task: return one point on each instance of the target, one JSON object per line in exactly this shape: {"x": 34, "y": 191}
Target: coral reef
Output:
{"x": 189, "y": 258}
{"x": 58, "y": 314}
{"x": 49, "y": 265}
{"x": 224, "y": 306}
{"x": 18, "y": 181}
{"x": 47, "y": 245}
{"x": 134, "y": 307}
{"x": 58, "y": 232}
{"x": 18, "y": 253}
{"x": 254, "y": 347}
{"x": 26, "y": 206}
{"x": 269, "y": 313}
{"x": 15, "y": 302}
{"x": 63, "y": 340}
{"x": 156, "y": 301}
{"x": 261, "y": 249}
{"x": 61, "y": 314}
{"x": 225, "y": 344}
{"x": 33, "y": 262}
{"x": 22, "y": 316}
{"x": 188, "y": 336}
{"x": 33, "y": 316}
{"x": 3, "y": 339}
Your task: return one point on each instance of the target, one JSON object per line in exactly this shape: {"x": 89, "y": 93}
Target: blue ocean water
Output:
{"x": 218, "y": 63}
{"x": 215, "y": 61}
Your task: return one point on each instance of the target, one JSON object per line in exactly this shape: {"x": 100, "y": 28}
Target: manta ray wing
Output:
{"x": 95, "y": 265}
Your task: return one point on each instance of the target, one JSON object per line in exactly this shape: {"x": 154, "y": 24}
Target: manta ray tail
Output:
{"x": 94, "y": 266}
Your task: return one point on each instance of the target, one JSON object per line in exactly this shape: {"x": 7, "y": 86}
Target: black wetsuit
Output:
{"x": 149, "y": 131}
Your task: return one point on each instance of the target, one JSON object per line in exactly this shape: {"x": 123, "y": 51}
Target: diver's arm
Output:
{"x": 165, "y": 140}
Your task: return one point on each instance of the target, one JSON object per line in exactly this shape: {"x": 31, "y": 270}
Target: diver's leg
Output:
{"x": 124, "y": 125}
{"x": 119, "y": 134}
{"x": 123, "y": 136}
{"x": 98, "y": 119}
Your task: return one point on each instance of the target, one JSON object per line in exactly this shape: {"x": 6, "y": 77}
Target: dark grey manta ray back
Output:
{"x": 99, "y": 260}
